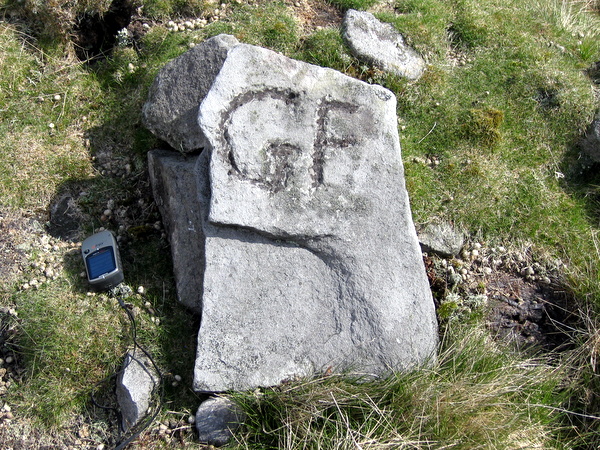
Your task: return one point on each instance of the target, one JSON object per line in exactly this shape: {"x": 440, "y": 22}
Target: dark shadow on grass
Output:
{"x": 582, "y": 179}
{"x": 119, "y": 198}
{"x": 581, "y": 165}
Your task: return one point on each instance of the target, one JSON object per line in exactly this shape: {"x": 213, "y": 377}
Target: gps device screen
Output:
{"x": 100, "y": 262}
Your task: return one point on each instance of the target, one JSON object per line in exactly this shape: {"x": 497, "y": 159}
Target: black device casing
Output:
{"x": 102, "y": 260}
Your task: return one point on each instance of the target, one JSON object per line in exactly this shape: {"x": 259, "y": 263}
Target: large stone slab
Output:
{"x": 381, "y": 44}
{"x": 312, "y": 260}
{"x": 174, "y": 186}
{"x": 172, "y": 106}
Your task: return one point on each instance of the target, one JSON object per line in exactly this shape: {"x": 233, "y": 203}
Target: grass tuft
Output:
{"x": 475, "y": 395}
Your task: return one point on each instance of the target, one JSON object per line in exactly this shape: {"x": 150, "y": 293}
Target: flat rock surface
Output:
{"x": 312, "y": 259}
{"x": 381, "y": 44}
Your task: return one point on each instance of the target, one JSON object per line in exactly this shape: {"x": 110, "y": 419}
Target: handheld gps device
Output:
{"x": 102, "y": 260}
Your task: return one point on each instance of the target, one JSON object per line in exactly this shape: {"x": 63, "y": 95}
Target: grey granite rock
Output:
{"x": 174, "y": 186}
{"x": 217, "y": 419}
{"x": 135, "y": 386}
{"x": 172, "y": 106}
{"x": 312, "y": 260}
{"x": 442, "y": 239}
{"x": 381, "y": 44}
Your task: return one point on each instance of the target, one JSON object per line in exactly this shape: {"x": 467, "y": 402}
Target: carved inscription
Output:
{"x": 293, "y": 147}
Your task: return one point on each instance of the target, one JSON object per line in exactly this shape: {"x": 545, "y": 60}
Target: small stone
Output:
{"x": 51, "y": 125}
{"x": 476, "y": 245}
{"x": 141, "y": 290}
{"x": 487, "y": 270}
{"x": 454, "y": 279}
{"x": 474, "y": 253}
{"x": 57, "y": 97}
{"x": 191, "y": 419}
{"x": 177, "y": 378}
{"x": 217, "y": 419}
{"x": 528, "y": 271}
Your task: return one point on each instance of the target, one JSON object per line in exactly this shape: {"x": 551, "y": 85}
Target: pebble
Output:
{"x": 57, "y": 97}
{"x": 177, "y": 378}
{"x": 141, "y": 290}
{"x": 191, "y": 419}
{"x": 487, "y": 270}
{"x": 528, "y": 271}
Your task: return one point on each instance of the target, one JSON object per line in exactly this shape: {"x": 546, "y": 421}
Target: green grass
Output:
{"x": 501, "y": 106}
{"x": 476, "y": 395}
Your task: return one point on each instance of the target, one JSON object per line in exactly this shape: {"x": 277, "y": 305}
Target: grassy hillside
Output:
{"x": 489, "y": 138}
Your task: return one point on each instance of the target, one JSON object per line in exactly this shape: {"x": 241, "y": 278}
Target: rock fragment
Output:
{"x": 442, "y": 239}
{"x": 135, "y": 385}
{"x": 217, "y": 419}
{"x": 381, "y": 44}
{"x": 172, "y": 107}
